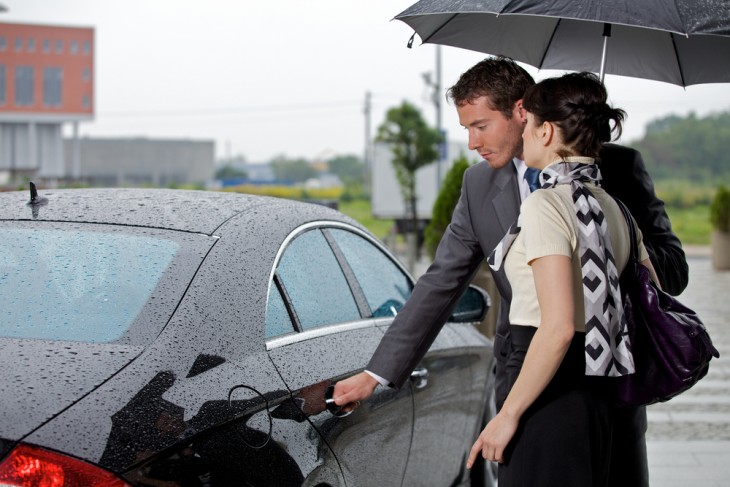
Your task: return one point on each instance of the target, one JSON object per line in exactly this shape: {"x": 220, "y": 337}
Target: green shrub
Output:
{"x": 720, "y": 210}
{"x": 443, "y": 207}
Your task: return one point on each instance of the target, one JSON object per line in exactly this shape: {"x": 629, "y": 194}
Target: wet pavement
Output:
{"x": 689, "y": 437}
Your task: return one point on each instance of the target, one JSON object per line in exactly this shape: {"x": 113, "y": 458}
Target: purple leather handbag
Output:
{"x": 670, "y": 344}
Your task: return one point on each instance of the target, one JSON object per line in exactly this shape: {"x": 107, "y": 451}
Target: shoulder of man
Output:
{"x": 615, "y": 152}
{"x": 481, "y": 173}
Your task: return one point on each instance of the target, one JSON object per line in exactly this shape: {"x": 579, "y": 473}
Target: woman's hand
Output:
{"x": 554, "y": 285}
{"x": 493, "y": 440}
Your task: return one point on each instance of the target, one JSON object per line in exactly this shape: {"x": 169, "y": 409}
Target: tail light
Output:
{"x": 30, "y": 466}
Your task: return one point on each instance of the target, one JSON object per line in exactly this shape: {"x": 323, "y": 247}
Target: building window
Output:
{"x": 59, "y": 46}
{"x": 24, "y": 85}
{"x": 3, "y": 84}
{"x": 86, "y": 74}
{"x": 31, "y": 44}
{"x": 52, "y": 86}
{"x": 3, "y": 43}
{"x": 74, "y": 47}
{"x": 46, "y": 45}
{"x": 85, "y": 101}
{"x": 18, "y": 44}
{"x": 87, "y": 47}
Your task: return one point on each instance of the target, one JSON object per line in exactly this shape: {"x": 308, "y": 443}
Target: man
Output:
{"x": 488, "y": 99}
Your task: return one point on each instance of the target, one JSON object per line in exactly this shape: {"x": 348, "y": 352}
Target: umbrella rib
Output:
{"x": 547, "y": 46}
{"x": 676, "y": 56}
{"x": 439, "y": 29}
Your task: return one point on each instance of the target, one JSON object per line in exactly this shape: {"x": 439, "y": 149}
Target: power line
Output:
{"x": 236, "y": 110}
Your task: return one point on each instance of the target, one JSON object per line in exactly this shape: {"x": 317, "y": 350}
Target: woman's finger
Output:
{"x": 475, "y": 450}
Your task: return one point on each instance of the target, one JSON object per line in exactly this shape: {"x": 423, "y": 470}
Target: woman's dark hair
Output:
{"x": 576, "y": 103}
{"x": 498, "y": 78}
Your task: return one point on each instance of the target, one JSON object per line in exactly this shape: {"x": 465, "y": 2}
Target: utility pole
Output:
{"x": 436, "y": 99}
{"x": 437, "y": 102}
{"x": 367, "y": 156}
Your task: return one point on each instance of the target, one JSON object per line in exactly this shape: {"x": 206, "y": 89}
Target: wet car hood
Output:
{"x": 39, "y": 378}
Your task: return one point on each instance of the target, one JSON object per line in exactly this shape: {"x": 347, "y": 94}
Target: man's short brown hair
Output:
{"x": 499, "y": 78}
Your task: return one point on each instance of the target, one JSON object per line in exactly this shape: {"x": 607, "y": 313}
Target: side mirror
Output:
{"x": 472, "y": 307}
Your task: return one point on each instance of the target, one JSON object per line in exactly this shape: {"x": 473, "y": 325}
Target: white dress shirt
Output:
{"x": 521, "y": 181}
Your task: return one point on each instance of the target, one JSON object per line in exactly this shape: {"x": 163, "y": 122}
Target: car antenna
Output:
{"x": 35, "y": 200}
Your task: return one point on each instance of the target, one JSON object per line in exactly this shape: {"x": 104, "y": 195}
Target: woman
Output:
{"x": 568, "y": 334}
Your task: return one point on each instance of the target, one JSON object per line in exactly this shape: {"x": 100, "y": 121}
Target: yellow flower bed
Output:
{"x": 289, "y": 192}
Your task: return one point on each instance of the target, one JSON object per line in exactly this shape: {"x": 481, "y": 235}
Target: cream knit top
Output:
{"x": 549, "y": 227}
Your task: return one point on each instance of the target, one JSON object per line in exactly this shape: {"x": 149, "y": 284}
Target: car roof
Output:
{"x": 184, "y": 210}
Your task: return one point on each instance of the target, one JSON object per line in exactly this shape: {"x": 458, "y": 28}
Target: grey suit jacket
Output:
{"x": 488, "y": 206}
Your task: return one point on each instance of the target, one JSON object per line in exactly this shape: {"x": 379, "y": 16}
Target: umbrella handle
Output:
{"x": 606, "y": 35}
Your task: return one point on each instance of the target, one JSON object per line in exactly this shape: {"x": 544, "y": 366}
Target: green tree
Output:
{"x": 296, "y": 170}
{"x": 443, "y": 207}
{"x": 230, "y": 172}
{"x": 348, "y": 168}
{"x": 414, "y": 145}
{"x": 688, "y": 148}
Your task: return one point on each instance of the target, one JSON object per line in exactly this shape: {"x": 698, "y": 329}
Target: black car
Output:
{"x": 188, "y": 338}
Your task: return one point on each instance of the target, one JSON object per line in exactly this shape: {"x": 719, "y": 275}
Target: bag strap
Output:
{"x": 632, "y": 229}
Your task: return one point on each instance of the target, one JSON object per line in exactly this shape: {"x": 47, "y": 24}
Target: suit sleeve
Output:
{"x": 434, "y": 297}
{"x": 636, "y": 189}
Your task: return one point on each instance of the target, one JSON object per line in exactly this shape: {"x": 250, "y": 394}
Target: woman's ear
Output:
{"x": 546, "y": 133}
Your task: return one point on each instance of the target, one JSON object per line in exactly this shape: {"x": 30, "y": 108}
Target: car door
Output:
{"x": 320, "y": 330}
{"x": 447, "y": 406}
{"x": 441, "y": 383}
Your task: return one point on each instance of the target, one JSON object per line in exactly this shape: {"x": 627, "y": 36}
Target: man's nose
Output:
{"x": 474, "y": 141}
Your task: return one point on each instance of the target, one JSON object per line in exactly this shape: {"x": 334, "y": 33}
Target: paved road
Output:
{"x": 689, "y": 437}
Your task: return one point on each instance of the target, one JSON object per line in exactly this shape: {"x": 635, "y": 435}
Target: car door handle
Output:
{"x": 419, "y": 377}
{"x": 334, "y": 409}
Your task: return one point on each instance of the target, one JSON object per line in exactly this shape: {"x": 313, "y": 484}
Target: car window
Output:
{"x": 314, "y": 282}
{"x": 277, "y": 319}
{"x": 385, "y": 285}
{"x": 76, "y": 285}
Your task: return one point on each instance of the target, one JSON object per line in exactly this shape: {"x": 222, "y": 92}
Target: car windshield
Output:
{"x": 76, "y": 284}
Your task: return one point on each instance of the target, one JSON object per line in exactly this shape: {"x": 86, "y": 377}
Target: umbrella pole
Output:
{"x": 606, "y": 35}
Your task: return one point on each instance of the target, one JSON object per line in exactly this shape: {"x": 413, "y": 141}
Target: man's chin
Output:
{"x": 497, "y": 163}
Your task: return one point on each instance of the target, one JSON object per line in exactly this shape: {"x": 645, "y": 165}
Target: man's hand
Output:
{"x": 354, "y": 389}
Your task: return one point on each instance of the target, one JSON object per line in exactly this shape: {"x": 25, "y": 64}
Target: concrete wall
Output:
{"x": 159, "y": 162}
{"x": 31, "y": 147}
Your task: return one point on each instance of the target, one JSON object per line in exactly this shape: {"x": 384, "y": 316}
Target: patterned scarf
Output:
{"x": 607, "y": 347}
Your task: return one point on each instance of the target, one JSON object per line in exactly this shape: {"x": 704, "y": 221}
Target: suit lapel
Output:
{"x": 507, "y": 201}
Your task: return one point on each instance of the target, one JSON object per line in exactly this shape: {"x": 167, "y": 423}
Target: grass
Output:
{"x": 692, "y": 225}
{"x": 360, "y": 210}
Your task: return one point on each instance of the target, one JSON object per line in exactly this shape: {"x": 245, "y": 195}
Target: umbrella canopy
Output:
{"x": 683, "y": 42}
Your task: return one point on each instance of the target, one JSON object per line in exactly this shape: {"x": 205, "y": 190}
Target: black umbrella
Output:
{"x": 683, "y": 42}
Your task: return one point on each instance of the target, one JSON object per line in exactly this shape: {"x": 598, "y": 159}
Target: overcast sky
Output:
{"x": 265, "y": 78}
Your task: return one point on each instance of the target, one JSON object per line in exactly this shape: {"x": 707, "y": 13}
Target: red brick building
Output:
{"x": 46, "y": 80}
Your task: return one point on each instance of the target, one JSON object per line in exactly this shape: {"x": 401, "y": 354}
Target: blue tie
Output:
{"x": 531, "y": 176}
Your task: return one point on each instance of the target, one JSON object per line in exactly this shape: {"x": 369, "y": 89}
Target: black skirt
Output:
{"x": 564, "y": 438}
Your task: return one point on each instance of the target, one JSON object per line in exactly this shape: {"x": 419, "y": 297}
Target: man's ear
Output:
{"x": 520, "y": 111}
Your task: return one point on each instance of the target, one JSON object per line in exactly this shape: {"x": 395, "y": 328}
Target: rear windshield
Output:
{"x": 82, "y": 285}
